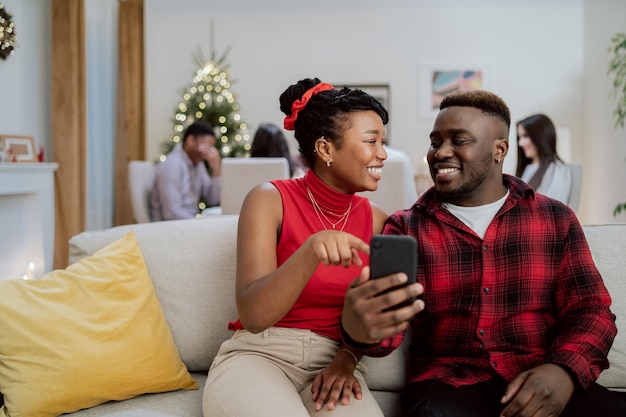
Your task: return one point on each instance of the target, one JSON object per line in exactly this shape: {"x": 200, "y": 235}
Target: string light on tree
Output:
{"x": 7, "y": 34}
{"x": 208, "y": 98}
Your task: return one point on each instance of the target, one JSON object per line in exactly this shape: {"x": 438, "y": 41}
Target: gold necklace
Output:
{"x": 318, "y": 210}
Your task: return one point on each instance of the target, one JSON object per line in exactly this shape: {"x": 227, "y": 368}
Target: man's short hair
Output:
{"x": 198, "y": 129}
{"x": 486, "y": 101}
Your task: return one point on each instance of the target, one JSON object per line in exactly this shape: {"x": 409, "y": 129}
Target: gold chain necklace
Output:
{"x": 318, "y": 210}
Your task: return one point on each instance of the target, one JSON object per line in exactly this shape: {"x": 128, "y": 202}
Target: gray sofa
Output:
{"x": 192, "y": 265}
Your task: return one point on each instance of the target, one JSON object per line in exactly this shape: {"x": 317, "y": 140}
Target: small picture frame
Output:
{"x": 436, "y": 80}
{"x": 22, "y": 148}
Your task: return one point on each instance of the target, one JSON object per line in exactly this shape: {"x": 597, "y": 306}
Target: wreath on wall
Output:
{"x": 7, "y": 34}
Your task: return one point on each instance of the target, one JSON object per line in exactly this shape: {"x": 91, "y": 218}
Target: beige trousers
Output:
{"x": 270, "y": 374}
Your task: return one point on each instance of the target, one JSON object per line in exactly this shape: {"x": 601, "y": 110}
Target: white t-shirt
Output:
{"x": 477, "y": 218}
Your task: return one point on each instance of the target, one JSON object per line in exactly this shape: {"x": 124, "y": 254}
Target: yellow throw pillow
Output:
{"x": 85, "y": 335}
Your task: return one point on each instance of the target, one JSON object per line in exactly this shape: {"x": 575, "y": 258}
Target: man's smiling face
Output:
{"x": 461, "y": 156}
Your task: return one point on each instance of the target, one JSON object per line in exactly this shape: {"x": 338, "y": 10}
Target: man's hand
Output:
{"x": 543, "y": 391}
{"x": 363, "y": 317}
{"x": 212, "y": 156}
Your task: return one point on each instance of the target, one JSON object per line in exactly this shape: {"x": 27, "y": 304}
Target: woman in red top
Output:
{"x": 300, "y": 244}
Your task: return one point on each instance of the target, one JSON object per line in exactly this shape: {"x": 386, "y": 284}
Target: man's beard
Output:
{"x": 475, "y": 180}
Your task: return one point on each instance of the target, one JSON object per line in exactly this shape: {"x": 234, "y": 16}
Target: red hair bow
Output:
{"x": 298, "y": 105}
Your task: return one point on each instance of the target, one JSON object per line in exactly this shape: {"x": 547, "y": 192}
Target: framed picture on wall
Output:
{"x": 21, "y": 148}
{"x": 438, "y": 80}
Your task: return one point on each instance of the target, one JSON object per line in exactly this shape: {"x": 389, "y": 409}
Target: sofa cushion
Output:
{"x": 192, "y": 265}
{"x": 389, "y": 372}
{"x": 85, "y": 335}
{"x": 608, "y": 249}
{"x": 182, "y": 403}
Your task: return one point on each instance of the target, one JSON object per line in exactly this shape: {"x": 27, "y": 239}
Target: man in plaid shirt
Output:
{"x": 514, "y": 317}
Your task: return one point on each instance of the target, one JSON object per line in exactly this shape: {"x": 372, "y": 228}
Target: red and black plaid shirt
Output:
{"x": 526, "y": 294}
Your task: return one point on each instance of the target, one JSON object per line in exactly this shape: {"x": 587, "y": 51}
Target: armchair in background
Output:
{"x": 396, "y": 189}
{"x": 576, "y": 169}
{"x": 140, "y": 178}
{"x": 240, "y": 175}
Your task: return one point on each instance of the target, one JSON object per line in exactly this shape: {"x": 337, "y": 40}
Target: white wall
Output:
{"x": 25, "y": 91}
{"x": 369, "y": 42}
{"x": 548, "y": 55}
{"x": 603, "y": 147}
{"x": 25, "y": 76}
{"x": 101, "y": 32}
{"x": 534, "y": 47}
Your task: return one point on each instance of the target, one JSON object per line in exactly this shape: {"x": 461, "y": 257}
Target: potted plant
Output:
{"x": 617, "y": 67}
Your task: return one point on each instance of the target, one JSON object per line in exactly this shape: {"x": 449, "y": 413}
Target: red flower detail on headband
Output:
{"x": 298, "y": 105}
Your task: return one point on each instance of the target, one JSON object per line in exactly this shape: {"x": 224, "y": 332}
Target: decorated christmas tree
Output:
{"x": 208, "y": 98}
{"x": 7, "y": 34}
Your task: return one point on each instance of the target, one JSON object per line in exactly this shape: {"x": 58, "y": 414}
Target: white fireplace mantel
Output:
{"x": 26, "y": 218}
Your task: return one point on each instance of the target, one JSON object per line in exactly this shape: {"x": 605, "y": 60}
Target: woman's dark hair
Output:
{"x": 542, "y": 134}
{"x": 325, "y": 113}
{"x": 269, "y": 141}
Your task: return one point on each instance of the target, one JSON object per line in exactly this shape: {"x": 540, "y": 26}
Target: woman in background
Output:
{"x": 537, "y": 160}
{"x": 269, "y": 141}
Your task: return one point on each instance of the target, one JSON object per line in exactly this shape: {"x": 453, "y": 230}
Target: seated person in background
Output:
{"x": 300, "y": 242}
{"x": 182, "y": 179}
{"x": 269, "y": 141}
{"x": 537, "y": 161}
{"x": 516, "y": 318}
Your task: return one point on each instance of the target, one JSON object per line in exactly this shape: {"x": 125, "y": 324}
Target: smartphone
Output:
{"x": 390, "y": 254}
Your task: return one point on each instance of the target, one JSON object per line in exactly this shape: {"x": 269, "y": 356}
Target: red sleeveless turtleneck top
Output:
{"x": 320, "y": 304}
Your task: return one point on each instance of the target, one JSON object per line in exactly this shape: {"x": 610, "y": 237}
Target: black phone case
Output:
{"x": 390, "y": 254}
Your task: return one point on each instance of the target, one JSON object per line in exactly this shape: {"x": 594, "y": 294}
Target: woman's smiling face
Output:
{"x": 357, "y": 161}
{"x": 526, "y": 144}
